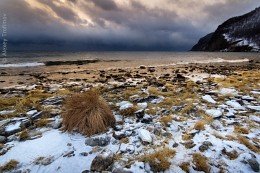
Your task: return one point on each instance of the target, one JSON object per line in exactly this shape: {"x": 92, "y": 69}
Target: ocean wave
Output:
{"x": 30, "y": 64}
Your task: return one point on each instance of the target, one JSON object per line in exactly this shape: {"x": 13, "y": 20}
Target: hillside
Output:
{"x": 237, "y": 34}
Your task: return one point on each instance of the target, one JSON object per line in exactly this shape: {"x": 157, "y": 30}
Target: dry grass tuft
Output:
{"x": 87, "y": 113}
{"x": 43, "y": 122}
{"x": 200, "y": 163}
{"x": 240, "y": 130}
{"x": 129, "y": 111}
{"x": 166, "y": 119}
{"x": 243, "y": 140}
{"x": 185, "y": 166}
{"x": 186, "y": 137}
{"x": 159, "y": 159}
{"x": 199, "y": 125}
{"x": 124, "y": 140}
{"x": 24, "y": 135}
{"x": 232, "y": 155}
{"x": 12, "y": 164}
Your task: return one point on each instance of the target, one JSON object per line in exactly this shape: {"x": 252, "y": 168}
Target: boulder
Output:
{"x": 98, "y": 141}
{"x": 103, "y": 161}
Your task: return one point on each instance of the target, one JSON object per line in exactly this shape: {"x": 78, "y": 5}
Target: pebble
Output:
{"x": 2, "y": 139}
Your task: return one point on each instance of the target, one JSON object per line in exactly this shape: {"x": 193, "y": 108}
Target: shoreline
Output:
{"x": 208, "y": 111}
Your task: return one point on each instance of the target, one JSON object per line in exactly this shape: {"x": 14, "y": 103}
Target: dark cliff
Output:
{"x": 237, "y": 34}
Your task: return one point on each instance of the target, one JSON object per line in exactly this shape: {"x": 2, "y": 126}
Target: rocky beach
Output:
{"x": 170, "y": 116}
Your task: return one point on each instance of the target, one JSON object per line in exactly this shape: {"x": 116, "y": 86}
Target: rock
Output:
{"x": 157, "y": 131}
{"x": 227, "y": 91}
{"x": 235, "y": 105}
{"x": 255, "y": 108}
{"x": 145, "y": 135}
{"x": 142, "y": 105}
{"x": 209, "y": 99}
{"x": 118, "y": 127}
{"x": 139, "y": 114}
{"x": 175, "y": 145}
{"x": 98, "y": 141}
{"x": 121, "y": 170}
{"x": 83, "y": 154}
{"x": 56, "y": 125}
{"x": 37, "y": 115}
{"x": 180, "y": 77}
{"x": 119, "y": 135}
{"x": 157, "y": 100}
{"x": 31, "y": 112}
{"x": 253, "y": 164}
{"x": 103, "y": 161}
{"x": 205, "y": 145}
{"x": 146, "y": 119}
{"x": 215, "y": 113}
{"x": 2, "y": 139}
{"x": 86, "y": 171}
{"x": 126, "y": 148}
{"x": 142, "y": 67}
{"x": 124, "y": 105}
{"x": 69, "y": 154}
{"x": 44, "y": 160}
{"x": 12, "y": 128}
{"x": 189, "y": 144}
{"x": 254, "y": 118}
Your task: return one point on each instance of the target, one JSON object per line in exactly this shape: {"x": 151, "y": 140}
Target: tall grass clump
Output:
{"x": 87, "y": 113}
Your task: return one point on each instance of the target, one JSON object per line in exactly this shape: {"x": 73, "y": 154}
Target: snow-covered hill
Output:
{"x": 240, "y": 34}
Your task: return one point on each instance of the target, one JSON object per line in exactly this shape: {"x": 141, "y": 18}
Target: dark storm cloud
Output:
{"x": 105, "y": 5}
{"x": 114, "y": 24}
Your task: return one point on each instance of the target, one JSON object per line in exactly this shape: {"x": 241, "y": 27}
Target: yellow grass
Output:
{"x": 200, "y": 162}
{"x": 159, "y": 160}
{"x": 87, "y": 113}
{"x": 12, "y": 164}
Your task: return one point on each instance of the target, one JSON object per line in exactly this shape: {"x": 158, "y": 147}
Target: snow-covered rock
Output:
{"x": 142, "y": 105}
{"x": 124, "y": 105}
{"x": 103, "y": 161}
{"x": 226, "y": 91}
{"x": 235, "y": 105}
{"x": 145, "y": 135}
{"x": 31, "y": 112}
{"x": 254, "y": 118}
{"x": 215, "y": 113}
{"x": 256, "y": 108}
{"x": 209, "y": 99}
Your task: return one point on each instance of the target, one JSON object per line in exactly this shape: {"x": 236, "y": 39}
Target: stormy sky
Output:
{"x": 98, "y": 25}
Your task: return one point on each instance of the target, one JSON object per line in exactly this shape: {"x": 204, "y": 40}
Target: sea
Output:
{"x": 38, "y": 58}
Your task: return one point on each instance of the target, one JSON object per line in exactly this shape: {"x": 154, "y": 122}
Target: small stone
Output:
{"x": 118, "y": 127}
{"x": 142, "y": 105}
{"x": 189, "y": 144}
{"x": 103, "y": 161}
{"x": 56, "y": 125}
{"x": 157, "y": 131}
{"x": 69, "y": 154}
{"x": 139, "y": 114}
{"x": 253, "y": 164}
{"x": 145, "y": 135}
{"x": 146, "y": 119}
{"x": 98, "y": 141}
{"x": 119, "y": 135}
{"x": 86, "y": 171}
{"x": 120, "y": 170}
{"x": 175, "y": 145}
{"x": 83, "y": 154}
{"x": 2, "y": 139}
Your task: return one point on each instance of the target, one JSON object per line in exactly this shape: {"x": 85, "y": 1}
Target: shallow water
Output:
{"x": 36, "y": 58}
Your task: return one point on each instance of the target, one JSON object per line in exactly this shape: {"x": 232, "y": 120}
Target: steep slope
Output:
{"x": 240, "y": 33}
